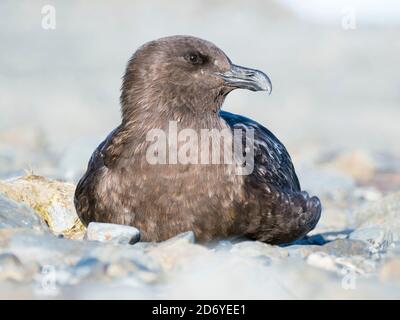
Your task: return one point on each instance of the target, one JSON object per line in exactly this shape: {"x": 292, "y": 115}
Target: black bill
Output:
{"x": 246, "y": 78}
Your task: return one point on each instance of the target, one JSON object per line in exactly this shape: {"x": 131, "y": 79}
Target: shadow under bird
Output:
{"x": 186, "y": 79}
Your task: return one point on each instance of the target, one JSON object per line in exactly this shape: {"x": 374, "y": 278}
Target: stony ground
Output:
{"x": 353, "y": 253}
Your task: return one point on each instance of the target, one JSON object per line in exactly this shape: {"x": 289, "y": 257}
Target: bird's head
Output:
{"x": 182, "y": 73}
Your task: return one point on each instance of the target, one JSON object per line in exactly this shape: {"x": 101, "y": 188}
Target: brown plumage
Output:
{"x": 186, "y": 79}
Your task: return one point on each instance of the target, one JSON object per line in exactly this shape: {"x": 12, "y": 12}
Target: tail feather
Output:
{"x": 286, "y": 217}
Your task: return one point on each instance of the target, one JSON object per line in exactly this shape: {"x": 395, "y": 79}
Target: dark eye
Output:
{"x": 194, "y": 58}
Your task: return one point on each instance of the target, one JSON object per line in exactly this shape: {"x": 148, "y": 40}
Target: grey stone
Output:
{"x": 184, "y": 237}
{"x": 144, "y": 245}
{"x": 302, "y": 251}
{"x": 52, "y": 200}
{"x": 338, "y": 248}
{"x": 178, "y": 251}
{"x": 45, "y": 248}
{"x": 115, "y": 254}
{"x": 259, "y": 249}
{"x": 379, "y": 238}
{"x": 114, "y": 233}
{"x": 345, "y": 247}
{"x": 17, "y": 215}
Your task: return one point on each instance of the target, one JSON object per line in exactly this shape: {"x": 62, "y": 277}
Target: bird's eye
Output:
{"x": 194, "y": 58}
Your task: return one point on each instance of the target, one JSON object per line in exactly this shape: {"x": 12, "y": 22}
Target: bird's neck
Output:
{"x": 137, "y": 130}
{"x": 152, "y": 105}
{"x": 141, "y": 124}
{"x": 143, "y": 115}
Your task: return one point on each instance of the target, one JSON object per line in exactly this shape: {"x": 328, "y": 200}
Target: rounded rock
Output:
{"x": 114, "y": 233}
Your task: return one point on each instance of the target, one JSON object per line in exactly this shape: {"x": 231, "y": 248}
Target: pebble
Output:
{"x": 345, "y": 247}
{"x": 17, "y": 215}
{"x": 51, "y": 200}
{"x": 258, "y": 249}
{"x": 379, "y": 238}
{"x": 113, "y": 233}
{"x": 180, "y": 239}
{"x": 338, "y": 248}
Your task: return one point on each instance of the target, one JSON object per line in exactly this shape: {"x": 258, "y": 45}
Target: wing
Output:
{"x": 276, "y": 208}
{"x": 272, "y": 163}
{"x": 101, "y": 158}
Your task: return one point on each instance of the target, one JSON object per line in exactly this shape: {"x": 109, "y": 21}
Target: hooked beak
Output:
{"x": 246, "y": 78}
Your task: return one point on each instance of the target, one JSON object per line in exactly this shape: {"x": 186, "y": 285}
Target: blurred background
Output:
{"x": 334, "y": 67}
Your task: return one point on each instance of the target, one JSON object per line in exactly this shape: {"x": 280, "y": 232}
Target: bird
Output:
{"x": 184, "y": 80}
